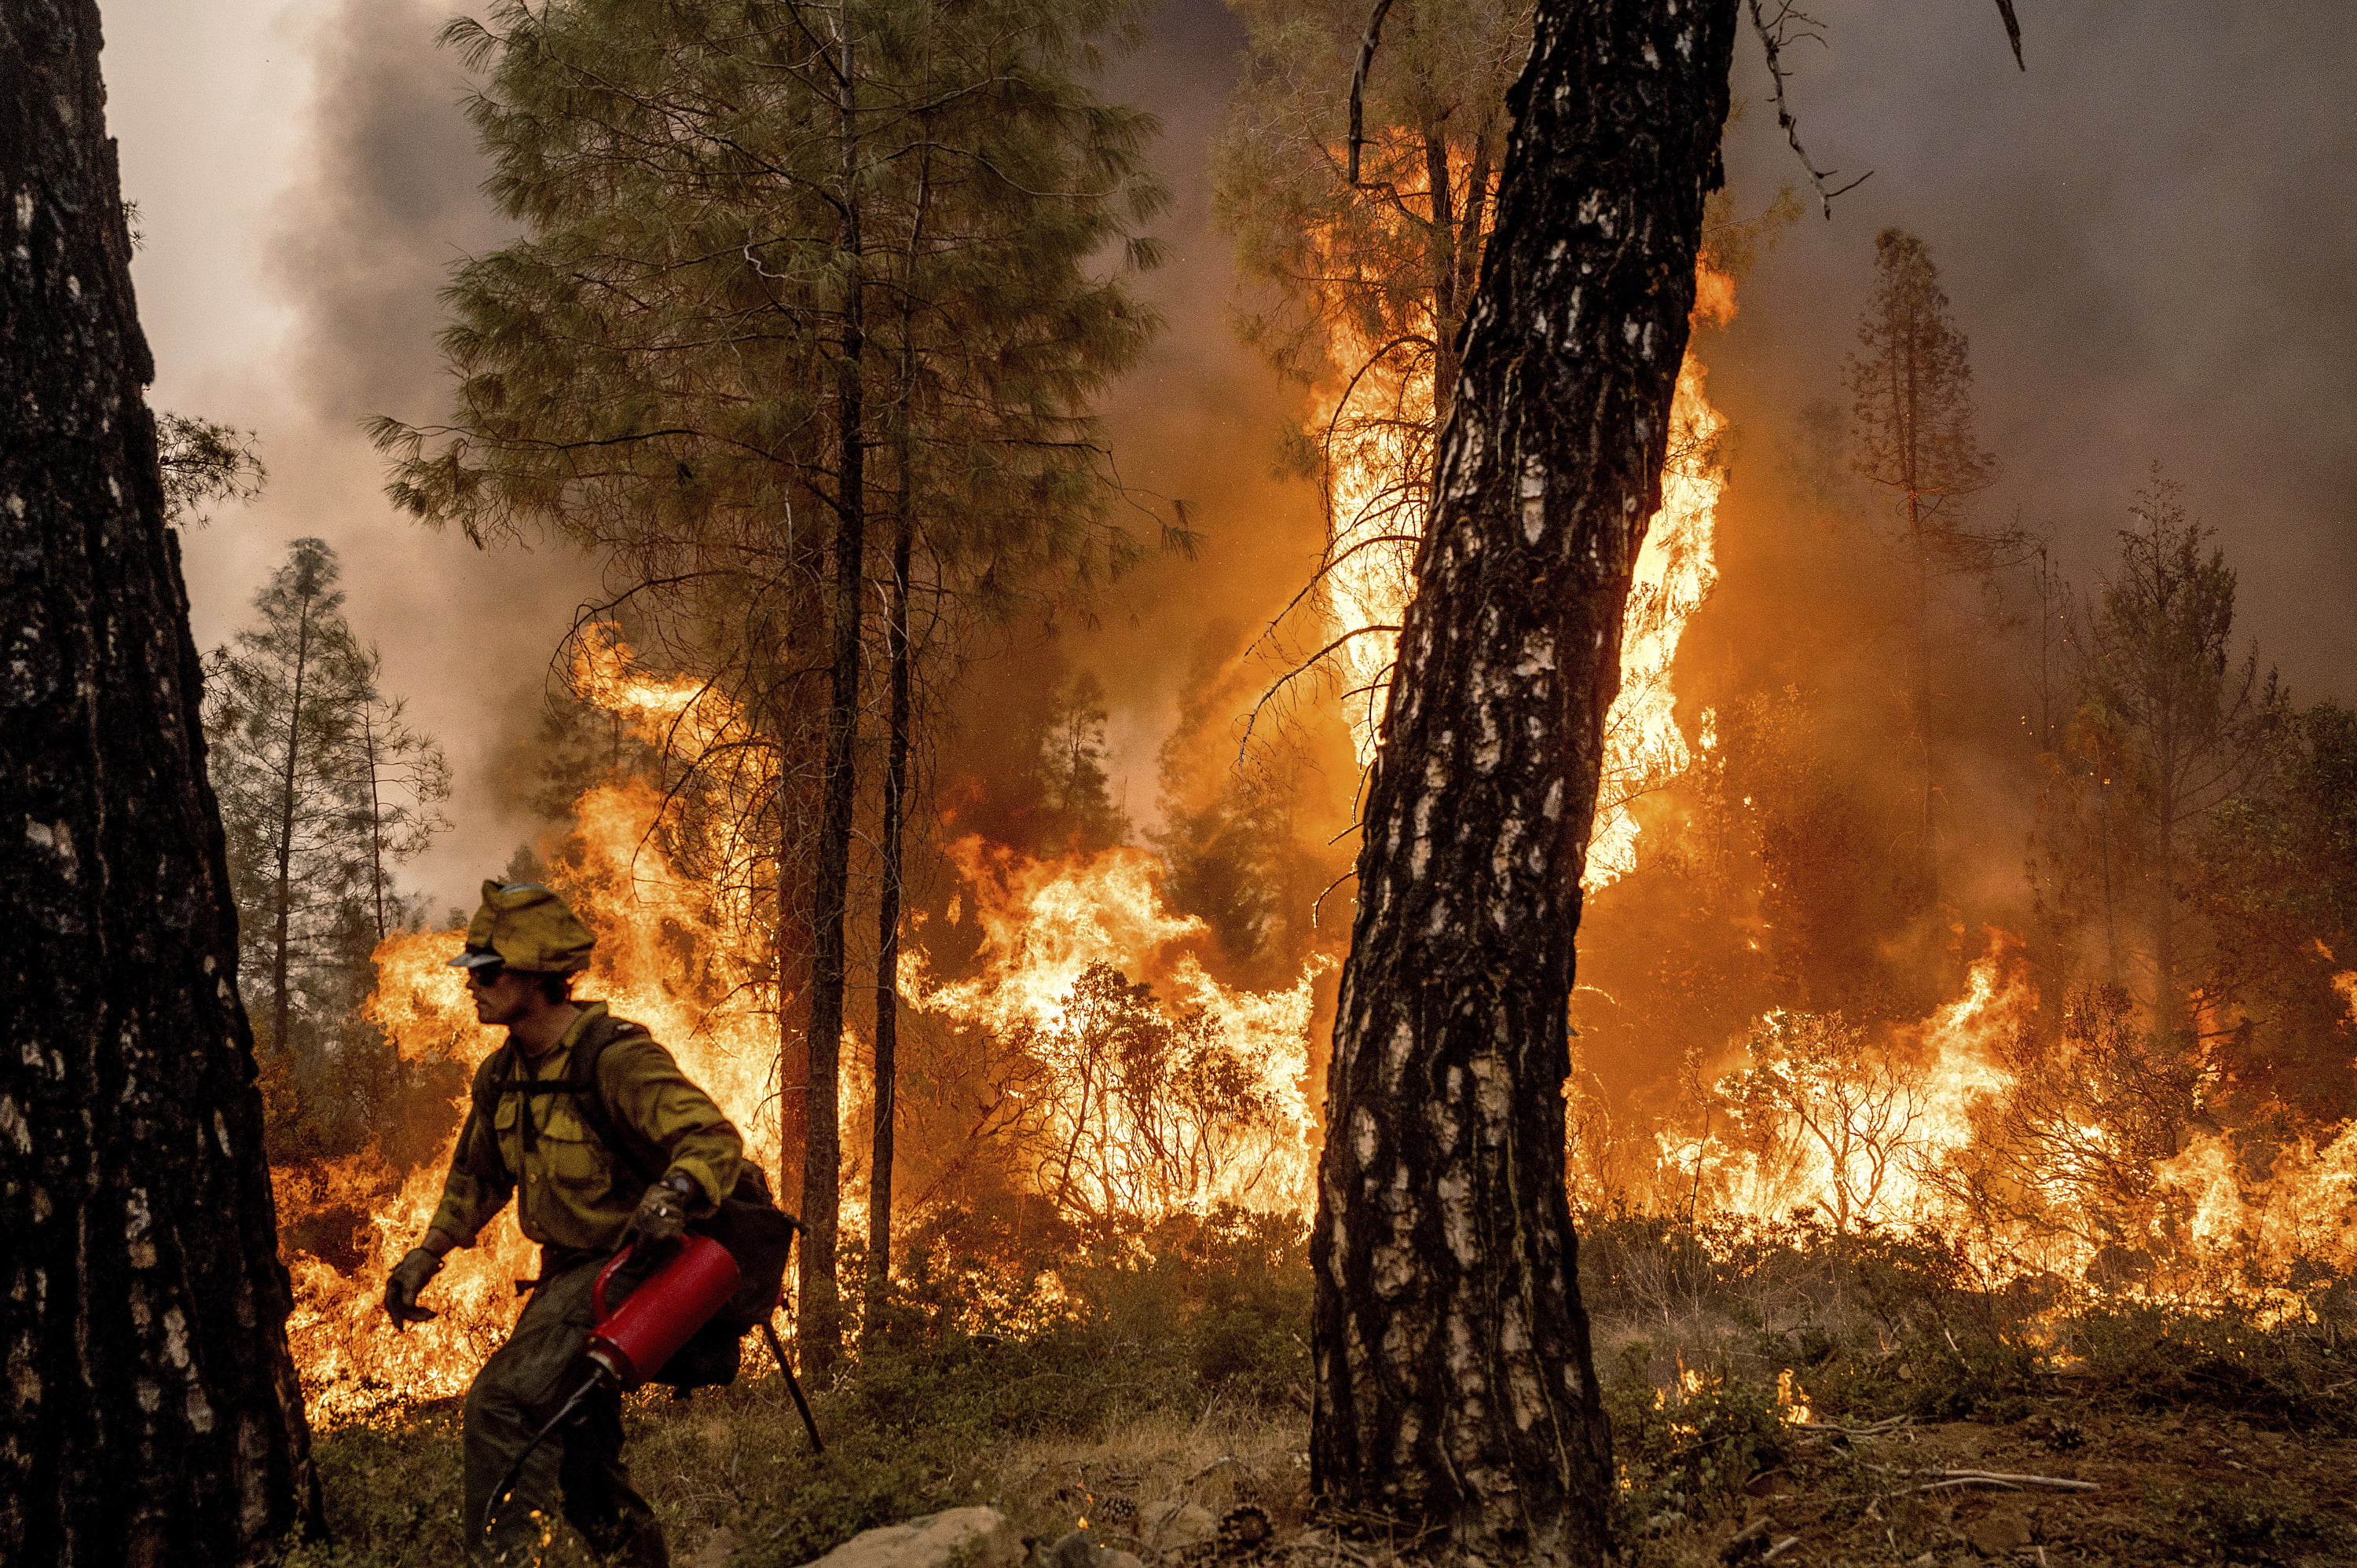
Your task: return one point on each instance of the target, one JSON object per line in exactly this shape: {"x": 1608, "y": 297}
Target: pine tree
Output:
{"x": 325, "y": 790}
{"x": 205, "y": 462}
{"x": 1911, "y": 431}
{"x": 151, "y": 1413}
{"x": 1072, "y": 778}
{"x": 2192, "y": 726}
{"x": 1367, "y": 285}
{"x": 1454, "y": 1385}
{"x": 764, "y": 240}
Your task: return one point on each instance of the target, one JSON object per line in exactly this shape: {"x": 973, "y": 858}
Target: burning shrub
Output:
{"x": 1684, "y": 1453}
{"x": 1144, "y": 1111}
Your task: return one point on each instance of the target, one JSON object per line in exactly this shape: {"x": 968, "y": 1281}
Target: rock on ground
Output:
{"x": 1177, "y": 1524}
{"x": 954, "y": 1538}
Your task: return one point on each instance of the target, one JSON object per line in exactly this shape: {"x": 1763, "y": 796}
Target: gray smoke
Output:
{"x": 2146, "y": 236}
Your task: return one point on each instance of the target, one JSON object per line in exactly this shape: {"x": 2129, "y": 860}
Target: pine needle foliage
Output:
{"x": 797, "y": 281}
{"x": 719, "y": 201}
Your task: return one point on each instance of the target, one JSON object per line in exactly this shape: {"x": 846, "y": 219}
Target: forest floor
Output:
{"x": 1795, "y": 1398}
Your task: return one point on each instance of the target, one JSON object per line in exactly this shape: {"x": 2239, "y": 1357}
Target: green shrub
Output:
{"x": 1685, "y": 1453}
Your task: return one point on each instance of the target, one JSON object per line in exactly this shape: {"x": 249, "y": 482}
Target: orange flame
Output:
{"x": 1374, "y": 526}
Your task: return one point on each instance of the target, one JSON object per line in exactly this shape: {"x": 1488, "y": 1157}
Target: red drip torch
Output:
{"x": 661, "y": 1315}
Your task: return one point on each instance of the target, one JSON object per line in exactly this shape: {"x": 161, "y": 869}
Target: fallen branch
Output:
{"x": 1943, "y": 1479}
{"x": 1835, "y": 1428}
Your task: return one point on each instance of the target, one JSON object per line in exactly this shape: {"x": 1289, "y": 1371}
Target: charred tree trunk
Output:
{"x": 819, "y": 1312}
{"x": 151, "y": 1413}
{"x": 1454, "y": 1385}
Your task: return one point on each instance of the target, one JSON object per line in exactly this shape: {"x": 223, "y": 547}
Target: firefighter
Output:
{"x": 636, "y": 1159}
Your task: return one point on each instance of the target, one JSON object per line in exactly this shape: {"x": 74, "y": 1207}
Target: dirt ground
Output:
{"x": 2197, "y": 1487}
{"x": 2176, "y": 1487}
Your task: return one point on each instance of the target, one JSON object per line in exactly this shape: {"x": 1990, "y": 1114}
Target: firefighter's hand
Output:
{"x": 409, "y": 1276}
{"x": 662, "y": 1214}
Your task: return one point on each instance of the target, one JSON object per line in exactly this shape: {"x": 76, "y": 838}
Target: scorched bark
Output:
{"x": 149, "y": 1410}
{"x": 1454, "y": 1383}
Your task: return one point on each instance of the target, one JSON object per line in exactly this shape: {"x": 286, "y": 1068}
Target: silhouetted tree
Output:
{"x": 151, "y": 1413}
{"x": 205, "y": 462}
{"x": 2193, "y": 726}
{"x": 1911, "y": 431}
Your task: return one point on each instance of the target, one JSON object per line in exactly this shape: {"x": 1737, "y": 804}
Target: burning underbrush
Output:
{"x": 2051, "y": 1149}
{"x": 1080, "y": 1081}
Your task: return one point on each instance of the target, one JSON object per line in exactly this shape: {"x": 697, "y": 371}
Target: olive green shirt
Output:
{"x": 577, "y": 1193}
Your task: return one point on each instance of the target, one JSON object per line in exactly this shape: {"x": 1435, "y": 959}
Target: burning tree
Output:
{"x": 1371, "y": 250}
{"x": 151, "y": 1413}
{"x": 1454, "y": 1383}
{"x": 1367, "y": 243}
{"x": 796, "y": 276}
{"x": 1823, "y": 1107}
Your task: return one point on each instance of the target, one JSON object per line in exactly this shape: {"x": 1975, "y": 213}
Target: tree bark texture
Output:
{"x": 818, "y": 1313}
{"x": 1454, "y": 1384}
{"x": 149, "y": 1412}
{"x": 884, "y": 1124}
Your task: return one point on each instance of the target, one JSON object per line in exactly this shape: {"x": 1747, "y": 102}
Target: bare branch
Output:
{"x": 1374, "y": 36}
{"x": 2012, "y": 30}
{"x": 1791, "y": 24}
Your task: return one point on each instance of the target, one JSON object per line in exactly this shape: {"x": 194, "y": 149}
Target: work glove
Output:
{"x": 662, "y": 1214}
{"x": 409, "y": 1276}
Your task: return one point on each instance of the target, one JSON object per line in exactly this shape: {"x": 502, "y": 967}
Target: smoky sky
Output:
{"x": 2147, "y": 236}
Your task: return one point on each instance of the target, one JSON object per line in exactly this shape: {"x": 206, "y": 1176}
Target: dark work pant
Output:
{"x": 524, "y": 1383}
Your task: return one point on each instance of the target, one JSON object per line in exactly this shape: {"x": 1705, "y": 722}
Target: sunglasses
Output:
{"x": 486, "y": 975}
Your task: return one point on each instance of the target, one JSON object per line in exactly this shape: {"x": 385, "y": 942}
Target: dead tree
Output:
{"x": 150, "y": 1412}
{"x": 1454, "y": 1385}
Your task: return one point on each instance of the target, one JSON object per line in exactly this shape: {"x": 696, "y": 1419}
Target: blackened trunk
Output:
{"x": 888, "y": 918}
{"x": 151, "y": 1413}
{"x": 820, "y": 1309}
{"x": 1454, "y": 1384}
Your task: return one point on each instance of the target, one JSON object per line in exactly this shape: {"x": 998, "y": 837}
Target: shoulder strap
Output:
{"x": 490, "y": 1078}
{"x": 496, "y": 1077}
{"x": 590, "y": 1096}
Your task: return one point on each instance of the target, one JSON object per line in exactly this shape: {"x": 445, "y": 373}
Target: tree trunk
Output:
{"x": 819, "y": 1312}
{"x": 151, "y": 1413}
{"x": 887, "y": 916}
{"x": 1454, "y": 1386}
{"x": 282, "y": 887}
{"x": 376, "y": 818}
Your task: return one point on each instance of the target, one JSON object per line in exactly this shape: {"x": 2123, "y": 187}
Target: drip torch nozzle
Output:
{"x": 598, "y": 1373}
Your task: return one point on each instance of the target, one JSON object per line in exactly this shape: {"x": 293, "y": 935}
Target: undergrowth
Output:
{"x": 1131, "y": 1368}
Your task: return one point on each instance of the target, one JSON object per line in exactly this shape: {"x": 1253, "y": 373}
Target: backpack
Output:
{"x": 748, "y": 1222}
